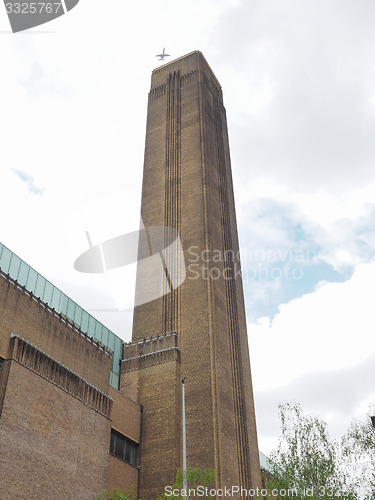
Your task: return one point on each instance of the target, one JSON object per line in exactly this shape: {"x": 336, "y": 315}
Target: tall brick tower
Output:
{"x": 196, "y": 326}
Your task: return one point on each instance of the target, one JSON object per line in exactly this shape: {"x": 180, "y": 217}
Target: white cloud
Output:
{"x": 329, "y": 329}
{"x": 338, "y": 396}
{"x": 315, "y": 134}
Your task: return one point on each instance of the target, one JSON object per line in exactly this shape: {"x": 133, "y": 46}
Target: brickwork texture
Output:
{"x": 187, "y": 185}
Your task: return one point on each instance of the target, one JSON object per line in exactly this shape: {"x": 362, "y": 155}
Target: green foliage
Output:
{"x": 195, "y": 476}
{"x": 118, "y": 495}
{"x": 358, "y": 448}
{"x": 312, "y": 465}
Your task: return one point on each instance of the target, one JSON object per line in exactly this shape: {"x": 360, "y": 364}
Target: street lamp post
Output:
{"x": 184, "y": 471}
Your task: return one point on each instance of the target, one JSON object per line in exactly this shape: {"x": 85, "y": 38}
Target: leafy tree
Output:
{"x": 195, "y": 477}
{"x": 311, "y": 465}
{"x": 358, "y": 449}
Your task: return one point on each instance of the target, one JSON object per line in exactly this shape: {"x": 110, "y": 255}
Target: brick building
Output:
{"x": 62, "y": 419}
{"x": 187, "y": 185}
{"x": 80, "y": 411}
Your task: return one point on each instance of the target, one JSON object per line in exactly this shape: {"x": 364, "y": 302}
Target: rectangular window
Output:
{"x": 122, "y": 447}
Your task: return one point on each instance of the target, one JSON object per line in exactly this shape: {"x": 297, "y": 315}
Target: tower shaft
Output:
{"x": 187, "y": 185}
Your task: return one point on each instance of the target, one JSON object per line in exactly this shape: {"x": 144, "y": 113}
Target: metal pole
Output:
{"x": 184, "y": 471}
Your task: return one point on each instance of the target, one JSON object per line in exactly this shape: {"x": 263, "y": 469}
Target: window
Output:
{"x": 122, "y": 448}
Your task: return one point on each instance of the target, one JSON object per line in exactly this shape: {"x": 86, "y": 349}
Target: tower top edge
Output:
{"x": 159, "y": 68}
{"x": 180, "y": 60}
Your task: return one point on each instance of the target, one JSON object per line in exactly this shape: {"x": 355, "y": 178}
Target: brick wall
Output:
{"x": 126, "y": 415}
{"x": 121, "y": 475}
{"x": 156, "y": 361}
{"x": 126, "y": 419}
{"x": 54, "y": 430}
{"x": 23, "y": 314}
{"x": 187, "y": 184}
{"x": 55, "y": 400}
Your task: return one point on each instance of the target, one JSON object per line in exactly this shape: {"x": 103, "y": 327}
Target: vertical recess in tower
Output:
{"x": 172, "y": 206}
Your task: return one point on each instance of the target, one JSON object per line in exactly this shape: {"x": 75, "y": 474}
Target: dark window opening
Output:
{"x": 122, "y": 448}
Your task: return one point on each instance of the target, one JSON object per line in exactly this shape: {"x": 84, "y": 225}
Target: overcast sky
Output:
{"x": 299, "y": 87}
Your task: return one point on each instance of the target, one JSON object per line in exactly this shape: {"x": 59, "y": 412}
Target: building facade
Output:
{"x": 81, "y": 411}
{"x": 65, "y": 429}
{"x": 196, "y": 329}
